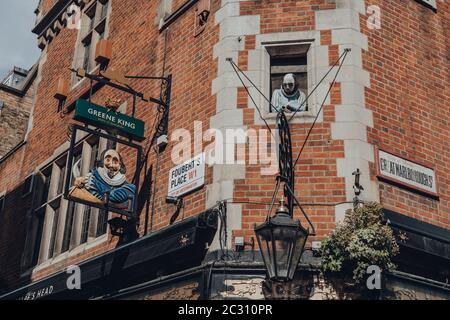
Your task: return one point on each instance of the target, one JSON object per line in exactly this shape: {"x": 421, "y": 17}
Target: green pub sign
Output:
{"x": 99, "y": 116}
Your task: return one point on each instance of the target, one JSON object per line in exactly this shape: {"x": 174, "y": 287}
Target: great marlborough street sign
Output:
{"x": 99, "y": 116}
{"x": 405, "y": 172}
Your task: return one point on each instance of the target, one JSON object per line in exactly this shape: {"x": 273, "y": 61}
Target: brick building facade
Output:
{"x": 390, "y": 95}
{"x": 16, "y": 100}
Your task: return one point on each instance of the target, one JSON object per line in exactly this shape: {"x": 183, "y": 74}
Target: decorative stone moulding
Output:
{"x": 58, "y": 22}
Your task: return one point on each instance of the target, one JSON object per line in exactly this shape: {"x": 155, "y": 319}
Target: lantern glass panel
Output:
{"x": 283, "y": 251}
{"x": 265, "y": 244}
{"x": 285, "y": 239}
{"x": 297, "y": 253}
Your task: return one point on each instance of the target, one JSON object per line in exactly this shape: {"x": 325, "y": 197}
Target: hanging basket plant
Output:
{"x": 363, "y": 239}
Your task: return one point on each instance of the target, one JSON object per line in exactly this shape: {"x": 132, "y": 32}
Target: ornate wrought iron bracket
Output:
{"x": 107, "y": 78}
{"x": 286, "y": 168}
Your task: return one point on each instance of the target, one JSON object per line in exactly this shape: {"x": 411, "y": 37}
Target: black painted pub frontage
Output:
{"x": 174, "y": 264}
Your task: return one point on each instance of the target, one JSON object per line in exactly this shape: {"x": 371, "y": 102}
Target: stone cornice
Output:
{"x": 54, "y": 21}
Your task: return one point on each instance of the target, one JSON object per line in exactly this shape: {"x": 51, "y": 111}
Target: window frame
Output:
{"x": 273, "y": 55}
{"x": 35, "y": 227}
{"x": 92, "y": 30}
{"x": 2, "y": 201}
{"x": 53, "y": 240}
{"x": 265, "y": 78}
{"x": 115, "y": 141}
{"x": 259, "y": 71}
{"x": 27, "y": 192}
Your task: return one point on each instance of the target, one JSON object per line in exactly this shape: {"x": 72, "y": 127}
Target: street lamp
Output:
{"x": 281, "y": 241}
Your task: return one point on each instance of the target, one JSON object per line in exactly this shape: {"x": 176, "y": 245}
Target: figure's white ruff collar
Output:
{"x": 118, "y": 179}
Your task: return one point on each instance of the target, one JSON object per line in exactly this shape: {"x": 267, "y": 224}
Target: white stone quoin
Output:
{"x": 352, "y": 117}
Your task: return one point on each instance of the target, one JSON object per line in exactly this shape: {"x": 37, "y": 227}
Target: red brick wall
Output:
{"x": 13, "y": 126}
{"x": 398, "y": 87}
{"x": 138, "y": 49}
{"x": 192, "y": 66}
{"x": 316, "y": 176}
{"x": 410, "y": 111}
{"x": 408, "y": 62}
{"x": 14, "y": 118}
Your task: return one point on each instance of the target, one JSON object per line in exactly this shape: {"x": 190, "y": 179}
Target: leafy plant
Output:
{"x": 362, "y": 240}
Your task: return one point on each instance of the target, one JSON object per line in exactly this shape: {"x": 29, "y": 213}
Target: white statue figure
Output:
{"x": 289, "y": 97}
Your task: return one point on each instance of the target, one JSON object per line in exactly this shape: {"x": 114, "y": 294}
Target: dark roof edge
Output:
{"x": 140, "y": 242}
{"x": 12, "y": 151}
{"x": 417, "y": 226}
{"x": 30, "y": 77}
{"x": 420, "y": 280}
{"x": 58, "y": 8}
{"x": 26, "y": 84}
{"x": 11, "y": 90}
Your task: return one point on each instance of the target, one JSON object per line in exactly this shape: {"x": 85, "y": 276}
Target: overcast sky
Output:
{"x": 18, "y": 46}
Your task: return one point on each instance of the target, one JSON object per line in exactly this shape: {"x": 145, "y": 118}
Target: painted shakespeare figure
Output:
{"x": 289, "y": 96}
{"x": 106, "y": 184}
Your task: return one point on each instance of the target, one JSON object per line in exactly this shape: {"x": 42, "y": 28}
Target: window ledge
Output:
{"x": 96, "y": 241}
{"x": 27, "y": 273}
{"x": 300, "y": 117}
{"x": 54, "y": 201}
{"x": 73, "y": 252}
{"x": 43, "y": 265}
{"x": 82, "y": 81}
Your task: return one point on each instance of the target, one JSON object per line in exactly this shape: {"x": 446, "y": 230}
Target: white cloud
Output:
{"x": 18, "y": 45}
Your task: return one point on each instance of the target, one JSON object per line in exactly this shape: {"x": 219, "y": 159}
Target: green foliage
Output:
{"x": 362, "y": 240}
